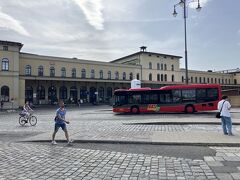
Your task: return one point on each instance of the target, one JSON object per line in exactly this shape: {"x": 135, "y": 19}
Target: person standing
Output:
{"x": 60, "y": 121}
{"x": 224, "y": 106}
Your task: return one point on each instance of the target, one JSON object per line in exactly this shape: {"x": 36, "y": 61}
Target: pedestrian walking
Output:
{"x": 224, "y": 106}
{"x": 60, "y": 121}
{"x": 79, "y": 102}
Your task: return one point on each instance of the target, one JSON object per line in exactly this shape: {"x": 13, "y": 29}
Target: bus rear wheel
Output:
{"x": 189, "y": 109}
{"x": 135, "y": 110}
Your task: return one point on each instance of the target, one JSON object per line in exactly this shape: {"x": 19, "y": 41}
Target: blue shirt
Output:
{"x": 62, "y": 114}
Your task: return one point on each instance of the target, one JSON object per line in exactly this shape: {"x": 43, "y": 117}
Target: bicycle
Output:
{"x": 24, "y": 119}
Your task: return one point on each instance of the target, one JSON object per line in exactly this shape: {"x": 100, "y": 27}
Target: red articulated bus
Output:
{"x": 177, "y": 98}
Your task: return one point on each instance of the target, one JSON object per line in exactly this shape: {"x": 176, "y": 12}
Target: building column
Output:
{"x": 21, "y": 96}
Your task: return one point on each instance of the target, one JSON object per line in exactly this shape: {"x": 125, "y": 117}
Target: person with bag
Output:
{"x": 61, "y": 122}
{"x": 224, "y": 106}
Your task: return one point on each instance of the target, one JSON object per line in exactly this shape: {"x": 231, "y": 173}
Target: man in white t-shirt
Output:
{"x": 224, "y": 106}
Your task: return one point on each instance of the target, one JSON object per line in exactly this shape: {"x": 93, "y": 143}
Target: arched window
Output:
{"x": 182, "y": 78}
{"x": 83, "y": 93}
{"x": 208, "y": 81}
{"x": 225, "y": 81}
{"x": 191, "y": 79}
{"x": 138, "y": 76}
{"x": 29, "y": 94}
{"x": 101, "y": 74}
{"x": 219, "y": 81}
{"x": 40, "y": 92}
{"x": 52, "y": 94}
{"x": 131, "y": 76}
{"x": 150, "y": 65}
{"x": 165, "y": 77}
{"x": 74, "y": 72}
{"x": 165, "y": 67}
{"x": 52, "y": 71}
{"x": 40, "y": 70}
{"x": 161, "y": 66}
{"x": 204, "y": 80}
{"x": 109, "y": 92}
{"x": 216, "y": 80}
{"x": 172, "y": 67}
{"x": 158, "y": 77}
{"x": 212, "y": 80}
{"x": 63, "y": 72}
{"x": 229, "y": 81}
{"x": 173, "y": 78}
{"x": 92, "y": 74}
{"x": 63, "y": 92}
{"x": 158, "y": 66}
{"x": 83, "y": 75}
{"x": 222, "y": 81}
{"x": 28, "y": 70}
{"x": 161, "y": 77}
{"x": 101, "y": 94}
{"x": 196, "y": 80}
{"x": 124, "y": 76}
{"x": 116, "y": 75}
{"x": 73, "y": 94}
{"x": 109, "y": 75}
{"x": 200, "y": 80}
{"x": 150, "y": 77}
{"x": 5, "y": 93}
{"x": 5, "y": 64}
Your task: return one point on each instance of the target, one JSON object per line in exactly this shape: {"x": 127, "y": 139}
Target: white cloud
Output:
{"x": 8, "y": 22}
{"x": 93, "y": 12}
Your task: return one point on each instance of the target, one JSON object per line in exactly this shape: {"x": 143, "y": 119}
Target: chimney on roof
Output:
{"x": 143, "y": 48}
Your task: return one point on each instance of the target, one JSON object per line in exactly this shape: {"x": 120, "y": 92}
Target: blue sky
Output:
{"x": 104, "y": 30}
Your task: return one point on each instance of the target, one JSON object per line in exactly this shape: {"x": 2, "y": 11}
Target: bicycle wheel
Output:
{"x": 33, "y": 120}
{"x": 22, "y": 121}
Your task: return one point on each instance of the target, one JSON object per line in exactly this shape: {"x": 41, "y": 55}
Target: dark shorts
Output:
{"x": 62, "y": 125}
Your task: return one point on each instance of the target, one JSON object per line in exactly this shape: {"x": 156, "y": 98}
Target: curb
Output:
{"x": 179, "y": 123}
{"x": 141, "y": 142}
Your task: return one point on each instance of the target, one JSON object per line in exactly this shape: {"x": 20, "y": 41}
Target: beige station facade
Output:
{"x": 44, "y": 79}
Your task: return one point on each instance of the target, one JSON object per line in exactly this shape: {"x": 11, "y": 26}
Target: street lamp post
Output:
{"x": 184, "y": 4}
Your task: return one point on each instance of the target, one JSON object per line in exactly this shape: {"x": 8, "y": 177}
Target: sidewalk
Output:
{"x": 129, "y": 131}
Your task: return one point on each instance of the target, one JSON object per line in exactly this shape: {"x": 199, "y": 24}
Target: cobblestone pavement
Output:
{"x": 34, "y": 161}
{"x": 27, "y": 161}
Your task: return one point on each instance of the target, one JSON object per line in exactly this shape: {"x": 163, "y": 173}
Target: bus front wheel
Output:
{"x": 134, "y": 110}
{"x": 189, "y": 109}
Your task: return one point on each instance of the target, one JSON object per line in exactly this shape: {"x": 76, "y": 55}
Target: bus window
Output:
{"x": 150, "y": 99}
{"x": 177, "y": 96}
{"x": 166, "y": 97}
{"x": 201, "y": 95}
{"x": 120, "y": 100}
{"x": 212, "y": 94}
{"x": 189, "y": 95}
{"x": 134, "y": 99}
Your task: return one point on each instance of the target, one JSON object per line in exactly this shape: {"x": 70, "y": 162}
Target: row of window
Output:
{"x": 208, "y": 80}
{"x": 161, "y": 67}
{"x": 63, "y": 93}
{"x": 162, "y": 77}
{"x": 28, "y": 72}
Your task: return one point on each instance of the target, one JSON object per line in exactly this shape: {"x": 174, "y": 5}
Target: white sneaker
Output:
{"x": 70, "y": 142}
{"x": 54, "y": 143}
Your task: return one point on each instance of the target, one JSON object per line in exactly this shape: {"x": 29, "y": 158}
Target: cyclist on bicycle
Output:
{"x": 26, "y": 109}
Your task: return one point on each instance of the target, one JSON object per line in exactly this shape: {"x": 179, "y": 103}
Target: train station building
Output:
{"x": 46, "y": 79}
